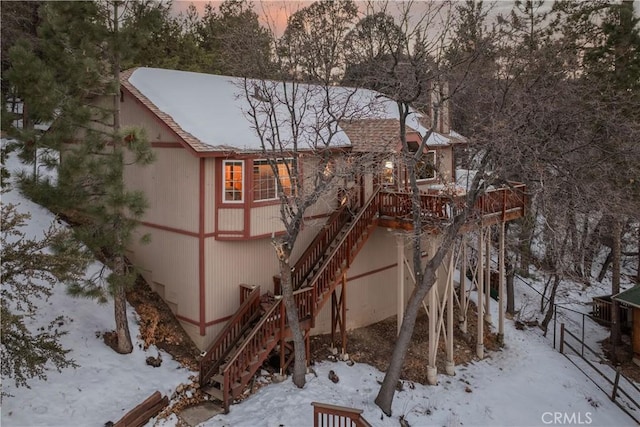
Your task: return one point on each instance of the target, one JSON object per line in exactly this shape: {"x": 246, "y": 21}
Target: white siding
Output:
{"x": 171, "y": 186}
{"x": 266, "y": 220}
{"x": 133, "y": 114}
{"x": 170, "y": 260}
{"x": 231, "y": 220}
{"x": 228, "y": 264}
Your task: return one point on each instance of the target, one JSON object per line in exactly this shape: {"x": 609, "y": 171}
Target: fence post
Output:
{"x": 615, "y": 384}
{"x": 562, "y": 338}
{"x": 555, "y": 323}
{"x": 582, "y": 342}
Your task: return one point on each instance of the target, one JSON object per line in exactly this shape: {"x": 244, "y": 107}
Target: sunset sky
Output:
{"x": 274, "y": 13}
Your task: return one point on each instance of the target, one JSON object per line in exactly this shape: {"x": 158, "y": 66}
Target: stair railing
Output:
{"x": 348, "y": 246}
{"x": 318, "y": 247}
{"x": 249, "y": 311}
{"x": 248, "y": 351}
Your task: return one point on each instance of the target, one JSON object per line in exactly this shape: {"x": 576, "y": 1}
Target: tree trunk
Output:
{"x": 119, "y": 293}
{"x": 510, "y": 273}
{"x": 124, "y": 345}
{"x": 616, "y": 234}
{"x": 388, "y": 388}
{"x": 605, "y": 266}
{"x": 638, "y": 269}
{"x": 510, "y": 277}
{"x": 591, "y": 248}
{"x": 299, "y": 347}
{"x": 527, "y": 231}
{"x": 552, "y": 302}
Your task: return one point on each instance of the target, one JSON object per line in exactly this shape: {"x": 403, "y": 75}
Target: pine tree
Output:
{"x": 30, "y": 267}
{"x": 83, "y": 48}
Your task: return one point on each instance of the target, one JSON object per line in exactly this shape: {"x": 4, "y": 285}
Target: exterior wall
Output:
{"x": 372, "y": 282}
{"x": 132, "y": 113}
{"x": 371, "y": 285}
{"x": 444, "y": 159}
{"x": 231, "y": 263}
{"x": 171, "y": 186}
{"x": 169, "y": 264}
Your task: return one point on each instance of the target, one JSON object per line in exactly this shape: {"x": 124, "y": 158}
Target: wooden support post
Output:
{"x": 432, "y": 370}
{"x": 487, "y": 277}
{"x": 501, "y": 272}
{"x": 307, "y": 347}
{"x": 480, "y": 305}
{"x": 562, "y": 338}
{"x": 343, "y": 323}
{"x": 282, "y": 339}
{"x": 400, "y": 285}
{"x": 463, "y": 286}
{"x": 334, "y": 320}
{"x": 449, "y": 367}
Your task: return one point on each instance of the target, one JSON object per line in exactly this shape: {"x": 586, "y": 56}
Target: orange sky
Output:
{"x": 273, "y": 14}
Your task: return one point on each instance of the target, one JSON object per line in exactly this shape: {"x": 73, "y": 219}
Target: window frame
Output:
{"x": 433, "y": 167}
{"x": 266, "y": 162}
{"x": 233, "y": 190}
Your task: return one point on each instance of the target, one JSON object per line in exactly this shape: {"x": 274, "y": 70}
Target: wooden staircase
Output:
{"x": 256, "y": 329}
{"x": 259, "y": 326}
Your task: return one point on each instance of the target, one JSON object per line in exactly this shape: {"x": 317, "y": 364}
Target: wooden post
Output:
{"x": 432, "y": 370}
{"x": 480, "y": 306}
{"x": 343, "y": 324}
{"x": 562, "y": 338}
{"x": 463, "y": 287}
{"x": 487, "y": 277}
{"x": 400, "y": 285}
{"x": 334, "y": 320}
{"x": 282, "y": 341}
{"x": 615, "y": 385}
{"x": 450, "y": 363}
{"x": 501, "y": 271}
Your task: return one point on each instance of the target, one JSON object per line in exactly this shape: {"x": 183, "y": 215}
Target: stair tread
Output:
{"x": 214, "y": 392}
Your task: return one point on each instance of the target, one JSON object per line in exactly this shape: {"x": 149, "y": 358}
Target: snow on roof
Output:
{"x": 211, "y": 112}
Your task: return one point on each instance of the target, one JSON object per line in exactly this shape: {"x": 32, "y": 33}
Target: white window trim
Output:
{"x": 435, "y": 172}
{"x": 224, "y": 180}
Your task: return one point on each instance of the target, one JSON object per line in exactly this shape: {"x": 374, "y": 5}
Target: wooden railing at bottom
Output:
{"x": 141, "y": 414}
{"x": 249, "y": 310}
{"x": 325, "y": 415}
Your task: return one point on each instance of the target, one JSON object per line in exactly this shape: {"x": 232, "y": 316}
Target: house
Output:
{"x": 213, "y": 208}
{"x": 631, "y": 299}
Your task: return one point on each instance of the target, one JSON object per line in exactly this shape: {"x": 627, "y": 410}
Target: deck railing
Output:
{"x": 397, "y": 204}
{"x": 602, "y": 308}
{"x": 325, "y": 415}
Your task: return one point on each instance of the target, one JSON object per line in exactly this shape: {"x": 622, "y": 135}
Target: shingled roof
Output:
{"x": 210, "y": 112}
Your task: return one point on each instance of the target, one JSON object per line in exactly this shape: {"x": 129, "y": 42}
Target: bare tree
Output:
{"x": 299, "y": 130}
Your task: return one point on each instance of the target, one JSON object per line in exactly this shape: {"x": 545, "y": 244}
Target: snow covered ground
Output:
{"x": 528, "y": 383}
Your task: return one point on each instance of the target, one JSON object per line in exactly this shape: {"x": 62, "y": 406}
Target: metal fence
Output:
{"x": 623, "y": 392}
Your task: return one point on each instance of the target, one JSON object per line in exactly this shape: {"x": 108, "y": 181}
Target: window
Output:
{"x": 387, "y": 173}
{"x": 233, "y": 179}
{"x": 426, "y": 165}
{"x": 265, "y": 181}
